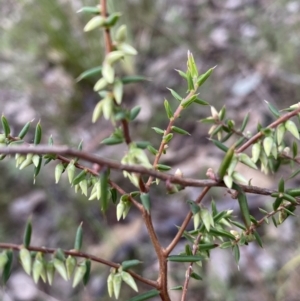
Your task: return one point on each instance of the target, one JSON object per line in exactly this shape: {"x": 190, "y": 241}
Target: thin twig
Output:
{"x": 190, "y": 268}
{"x": 61, "y": 151}
{"x": 107, "y": 37}
{"x": 186, "y": 221}
{"x": 81, "y": 255}
{"x": 271, "y": 126}
{"x": 167, "y": 131}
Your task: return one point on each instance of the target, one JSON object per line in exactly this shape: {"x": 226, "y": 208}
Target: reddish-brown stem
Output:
{"x": 186, "y": 221}
{"x": 167, "y": 131}
{"x": 126, "y": 131}
{"x": 271, "y": 126}
{"x": 108, "y": 49}
{"x": 62, "y": 151}
{"x": 162, "y": 281}
{"x": 107, "y": 37}
{"x": 81, "y": 255}
{"x": 190, "y": 268}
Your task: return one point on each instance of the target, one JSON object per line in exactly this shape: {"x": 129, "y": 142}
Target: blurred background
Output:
{"x": 256, "y": 47}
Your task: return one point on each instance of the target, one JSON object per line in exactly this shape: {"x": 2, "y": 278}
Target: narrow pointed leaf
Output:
{"x": 145, "y": 296}
{"x": 90, "y": 72}
{"x": 128, "y": 264}
{"x": 27, "y": 233}
{"x": 175, "y": 94}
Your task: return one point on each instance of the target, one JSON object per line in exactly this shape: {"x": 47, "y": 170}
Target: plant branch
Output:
{"x": 167, "y": 131}
{"x": 107, "y": 37}
{"x": 271, "y": 126}
{"x": 162, "y": 281}
{"x": 186, "y": 221}
{"x": 81, "y": 255}
{"x": 190, "y": 268}
{"x": 61, "y": 151}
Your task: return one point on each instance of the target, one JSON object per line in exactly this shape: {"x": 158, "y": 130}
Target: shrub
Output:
{"x": 270, "y": 147}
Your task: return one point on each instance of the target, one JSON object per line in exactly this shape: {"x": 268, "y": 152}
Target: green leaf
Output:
{"x": 175, "y": 94}
{"x": 258, "y": 239}
{"x": 128, "y": 264}
{"x": 50, "y": 270}
{"x": 168, "y": 109}
{"x": 245, "y": 122}
{"x": 79, "y": 274}
{"x": 59, "y": 169}
{"x": 277, "y": 203}
{"x": 27, "y": 233}
{"x": 239, "y": 225}
{"x": 273, "y": 110}
{"x": 281, "y": 185}
{"x": 121, "y": 34}
{"x": 222, "y": 233}
{"x": 90, "y": 72}
{"x": 243, "y": 203}
{"x": 226, "y": 162}
{"x": 152, "y": 150}
{"x": 188, "y": 101}
{"x": 5, "y": 125}
{"x": 108, "y": 72}
{"x": 38, "y": 134}
{"x": 134, "y": 112}
{"x": 142, "y": 144}
{"x": 133, "y": 79}
{"x": 168, "y": 138}
{"x": 80, "y": 177}
{"x": 203, "y": 77}
{"x": 226, "y": 245}
{"x": 127, "y": 49}
{"x": 70, "y": 265}
{"x": 268, "y": 144}
{"x": 196, "y": 276}
{"x": 194, "y": 207}
{"x": 112, "y": 19}
{"x": 8, "y": 265}
{"x": 176, "y": 288}
{"x": 292, "y": 128}
{"x": 128, "y": 279}
{"x": 78, "y": 238}
{"x": 163, "y": 167}
{"x": 184, "y": 258}
{"x": 95, "y": 22}
{"x": 87, "y": 274}
{"x": 110, "y": 284}
{"x": 190, "y": 81}
{"x": 188, "y": 250}
{"x": 112, "y": 141}
{"x": 117, "y": 282}
{"x": 236, "y": 252}
{"x": 192, "y": 67}
{"x": 220, "y": 145}
{"x": 145, "y": 199}
{"x": 294, "y": 192}
{"x": 100, "y": 84}
{"x": 179, "y": 130}
{"x": 145, "y": 296}
{"x": 158, "y": 130}
{"x": 90, "y": 9}
{"x": 60, "y": 268}
{"x": 25, "y": 258}
{"x": 295, "y": 150}
{"x": 207, "y": 219}
{"x": 181, "y": 73}
{"x": 295, "y": 173}
{"x": 201, "y": 102}
{"x": 24, "y": 130}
